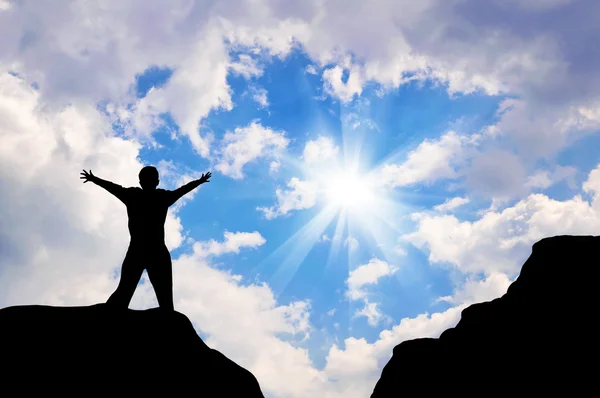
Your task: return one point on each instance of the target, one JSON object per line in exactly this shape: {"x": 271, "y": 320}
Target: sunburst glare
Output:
{"x": 348, "y": 190}
{"x": 352, "y": 202}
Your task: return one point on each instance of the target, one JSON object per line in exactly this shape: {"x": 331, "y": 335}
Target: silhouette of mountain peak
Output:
{"x": 537, "y": 338}
{"x": 86, "y": 349}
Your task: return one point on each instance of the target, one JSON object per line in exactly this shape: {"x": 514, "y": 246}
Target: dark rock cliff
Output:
{"x": 89, "y": 350}
{"x": 540, "y": 337}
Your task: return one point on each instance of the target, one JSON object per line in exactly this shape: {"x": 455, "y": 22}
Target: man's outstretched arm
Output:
{"x": 190, "y": 186}
{"x": 111, "y": 187}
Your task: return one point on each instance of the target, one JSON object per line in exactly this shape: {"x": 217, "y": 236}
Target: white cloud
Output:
{"x": 544, "y": 132}
{"x": 358, "y": 366}
{"x": 320, "y": 150}
{"x": 301, "y": 195}
{"x": 452, "y": 204}
{"x": 4, "y": 5}
{"x": 311, "y": 70}
{"x": 167, "y": 172}
{"x": 500, "y": 240}
{"x": 592, "y": 186}
{"x": 247, "y": 144}
{"x": 336, "y": 87}
{"x": 55, "y": 251}
{"x": 173, "y": 176}
{"x": 74, "y": 61}
{"x": 372, "y": 313}
{"x": 367, "y": 274}
{"x": 233, "y": 242}
{"x": 475, "y": 290}
{"x": 274, "y": 166}
{"x": 454, "y": 42}
{"x": 543, "y": 179}
{"x": 540, "y": 179}
{"x": 260, "y": 96}
{"x": 399, "y": 250}
{"x": 197, "y": 86}
{"x": 351, "y": 243}
{"x": 355, "y": 121}
{"x": 246, "y": 66}
{"x": 430, "y": 161}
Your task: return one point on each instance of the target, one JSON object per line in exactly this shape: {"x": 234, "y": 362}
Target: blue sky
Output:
{"x": 295, "y": 267}
{"x": 376, "y": 166}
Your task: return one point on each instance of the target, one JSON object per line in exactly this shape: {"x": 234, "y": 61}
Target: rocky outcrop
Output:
{"x": 540, "y": 337}
{"x": 90, "y": 350}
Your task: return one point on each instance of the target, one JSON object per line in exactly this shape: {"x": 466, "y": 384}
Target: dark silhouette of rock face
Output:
{"x": 538, "y": 338}
{"x": 96, "y": 349}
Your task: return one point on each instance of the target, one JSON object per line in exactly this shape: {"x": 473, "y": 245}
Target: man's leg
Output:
{"x": 131, "y": 272}
{"x": 160, "y": 273}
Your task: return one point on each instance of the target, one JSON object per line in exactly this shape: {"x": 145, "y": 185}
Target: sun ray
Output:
{"x": 353, "y": 140}
{"x": 384, "y": 212}
{"x": 288, "y": 257}
{"x": 384, "y": 239}
{"x": 351, "y": 193}
{"x": 336, "y": 240}
{"x": 353, "y": 263}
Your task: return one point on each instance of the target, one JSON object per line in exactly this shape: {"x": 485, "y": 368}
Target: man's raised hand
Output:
{"x": 87, "y": 176}
{"x": 204, "y": 177}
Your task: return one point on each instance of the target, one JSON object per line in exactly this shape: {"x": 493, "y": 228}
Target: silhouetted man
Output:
{"x": 147, "y": 211}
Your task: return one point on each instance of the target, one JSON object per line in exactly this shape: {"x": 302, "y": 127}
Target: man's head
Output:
{"x": 149, "y": 178}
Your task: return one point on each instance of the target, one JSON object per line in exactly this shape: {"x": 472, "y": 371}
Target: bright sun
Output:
{"x": 349, "y": 191}
{"x": 345, "y": 191}
{"x": 358, "y": 213}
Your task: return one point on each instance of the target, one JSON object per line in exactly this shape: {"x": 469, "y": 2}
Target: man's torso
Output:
{"x": 147, "y": 212}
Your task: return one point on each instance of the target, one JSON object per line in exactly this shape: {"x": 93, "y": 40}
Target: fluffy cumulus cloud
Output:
{"x": 320, "y": 150}
{"x": 232, "y": 243}
{"x": 351, "y": 243}
{"x": 475, "y": 290}
{"x": 260, "y": 96}
{"x": 451, "y": 204}
{"x": 247, "y": 144}
{"x": 302, "y": 194}
{"x": 358, "y": 282}
{"x": 367, "y": 274}
{"x": 372, "y": 313}
{"x": 432, "y": 160}
{"x": 299, "y": 195}
{"x": 357, "y": 366}
{"x": 501, "y": 240}
{"x": 61, "y": 239}
{"x": 335, "y": 86}
{"x": 536, "y": 53}
{"x": 432, "y": 39}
